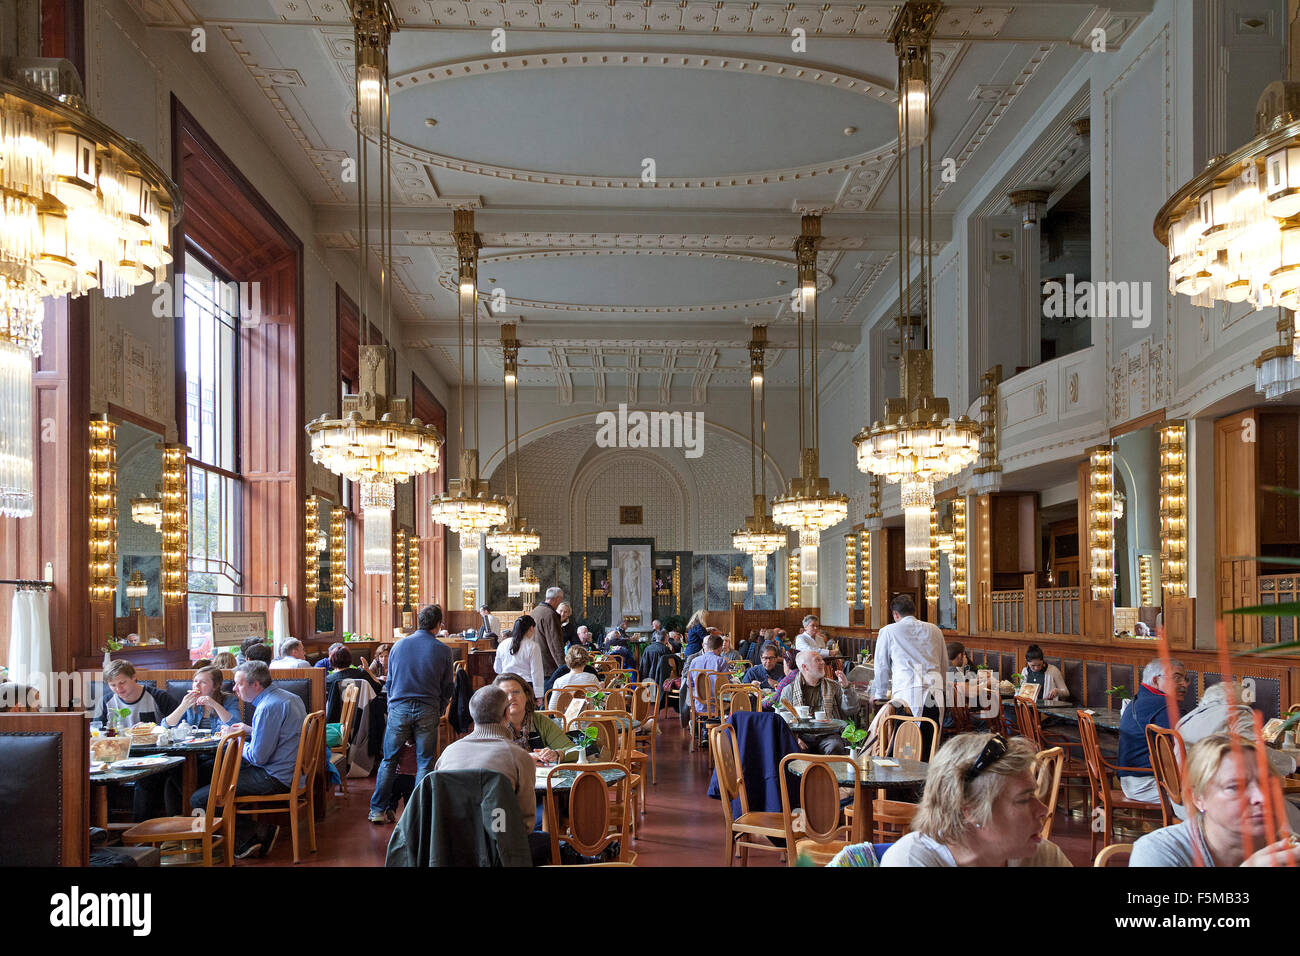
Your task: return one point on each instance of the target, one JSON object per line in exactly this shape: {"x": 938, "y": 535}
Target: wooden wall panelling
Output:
{"x": 982, "y": 529}
{"x": 1236, "y": 525}
{"x": 1278, "y": 465}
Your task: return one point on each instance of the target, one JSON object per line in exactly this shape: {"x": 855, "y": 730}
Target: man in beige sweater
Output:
{"x": 491, "y": 746}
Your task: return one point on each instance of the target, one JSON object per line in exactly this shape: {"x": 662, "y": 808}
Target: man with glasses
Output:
{"x": 769, "y": 671}
{"x": 1160, "y": 682}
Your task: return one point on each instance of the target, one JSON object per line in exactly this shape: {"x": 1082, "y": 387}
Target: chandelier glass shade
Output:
{"x": 378, "y": 499}
{"x": 512, "y": 539}
{"x": 389, "y": 449}
{"x": 918, "y": 499}
{"x": 760, "y": 536}
{"x": 147, "y": 510}
{"x": 137, "y": 589}
{"x": 16, "y": 466}
{"x": 529, "y": 586}
{"x": 737, "y": 586}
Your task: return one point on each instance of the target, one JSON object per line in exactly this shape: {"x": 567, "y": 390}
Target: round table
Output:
{"x": 816, "y": 728}
{"x": 565, "y": 777}
{"x": 870, "y": 776}
{"x": 110, "y": 774}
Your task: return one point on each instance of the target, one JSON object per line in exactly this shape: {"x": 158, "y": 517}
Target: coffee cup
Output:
{"x": 820, "y": 715}
{"x": 804, "y": 712}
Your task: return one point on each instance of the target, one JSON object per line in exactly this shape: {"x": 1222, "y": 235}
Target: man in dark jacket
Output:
{"x": 1150, "y": 706}
{"x": 418, "y": 686}
{"x": 655, "y": 652}
{"x": 549, "y": 636}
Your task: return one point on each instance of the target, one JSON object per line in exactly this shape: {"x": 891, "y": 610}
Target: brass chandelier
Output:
{"x": 513, "y": 539}
{"x": 376, "y": 442}
{"x": 808, "y": 505}
{"x": 917, "y": 443}
{"x": 81, "y": 207}
{"x": 760, "y": 535}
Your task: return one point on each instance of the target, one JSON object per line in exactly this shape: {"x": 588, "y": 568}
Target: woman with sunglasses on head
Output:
{"x": 980, "y": 808}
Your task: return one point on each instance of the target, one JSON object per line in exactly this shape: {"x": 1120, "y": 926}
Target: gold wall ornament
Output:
{"x": 175, "y": 522}
{"x": 103, "y": 508}
{"x": 794, "y": 595}
{"x": 1173, "y": 507}
{"x": 1101, "y": 522}
{"x": 864, "y": 570}
{"x": 932, "y": 572}
{"x": 959, "y": 592}
{"x": 1145, "y": 581}
{"x": 311, "y": 550}
{"x": 413, "y": 571}
{"x": 399, "y": 567}
{"x": 851, "y": 569}
{"x": 338, "y": 556}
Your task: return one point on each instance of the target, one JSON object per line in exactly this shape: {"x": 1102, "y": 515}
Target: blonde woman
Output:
{"x": 1229, "y": 805}
{"x": 980, "y": 808}
{"x": 696, "y": 629}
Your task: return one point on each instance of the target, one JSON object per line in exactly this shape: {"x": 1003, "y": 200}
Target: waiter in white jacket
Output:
{"x": 911, "y": 663}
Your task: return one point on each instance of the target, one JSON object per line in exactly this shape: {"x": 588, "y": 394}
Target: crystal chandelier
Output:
{"x": 760, "y": 535}
{"x": 376, "y": 442}
{"x": 529, "y": 587}
{"x": 513, "y": 539}
{"x": 808, "y": 505}
{"x": 147, "y": 510}
{"x": 468, "y": 507}
{"x": 81, "y": 207}
{"x": 737, "y": 585}
{"x": 1277, "y": 370}
{"x": 137, "y": 589}
{"x": 917, "y": 444}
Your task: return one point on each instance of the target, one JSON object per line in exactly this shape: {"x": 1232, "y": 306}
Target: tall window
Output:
{"x": 212, "y": 431}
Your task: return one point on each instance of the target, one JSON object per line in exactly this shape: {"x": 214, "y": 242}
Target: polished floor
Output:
{"x": 682, "y": 827}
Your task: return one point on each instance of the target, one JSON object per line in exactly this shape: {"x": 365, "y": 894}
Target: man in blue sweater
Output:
{"x": 418, "y": 687}
{"x": 1150, "y": 706}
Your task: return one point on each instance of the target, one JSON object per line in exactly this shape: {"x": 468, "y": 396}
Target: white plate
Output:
{"x": 138, "y": 763}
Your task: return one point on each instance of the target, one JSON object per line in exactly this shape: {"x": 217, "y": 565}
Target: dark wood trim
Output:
{"x": 1136, "y": 424}
{"x": 63, "y": 33}
{"x": 135, "y": 418}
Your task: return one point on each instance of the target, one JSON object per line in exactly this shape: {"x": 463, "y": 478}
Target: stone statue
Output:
{"x": 631, "y": 562}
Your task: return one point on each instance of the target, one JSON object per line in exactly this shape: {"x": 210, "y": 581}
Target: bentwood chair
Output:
{"x": 1047, "y": 774}
{"x": 900, "y": 737}
{"x": 737, "y": 697}
{"x": 339, "y": 752}
{"x": 215, "y": 828}
{"x": 302, "y": 795}
{"x": 598, "y": 815}
{"x": 625, "y": 753}
{"x": 751, "y": 830}
{"x": 1029, "y": 724}
{"x": 645, "y": 708}
{"x": 1106, "y": 796}
{"x": 1120, "y": 852}
{"x": 704, "y": 703}
{"x": 1167, "y": 759}
{"x": 819, "y": 828}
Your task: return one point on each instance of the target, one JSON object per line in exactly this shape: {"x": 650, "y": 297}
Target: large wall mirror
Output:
{"x": 1136, "y": 507}
{"x": 137, "y": 603}
{"x": 324, "y": 619}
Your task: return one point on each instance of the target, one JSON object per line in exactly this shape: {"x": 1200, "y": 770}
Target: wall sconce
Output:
{"x": 1144, "y": 581}
{"x": 1031, "y": 203}
{"x": 311, "y": 551}
{"x": 175, "y": 522}
{"x": 1101, "y": 534}
{"x": 338, "y": 556}
{"x": 959, "y": 593}
{"x": 864, "y": 567}
{"x": 412, "y": 571}
{"x": 1173, "y": 507}
{"x": 851, "y": 569}
{"x": 794, "y": 595}
{"x": 467, "y": 599}
{"x": 103, "y": 508}
{"x": 399, "y": 567}
{"x": 932, "y": 573}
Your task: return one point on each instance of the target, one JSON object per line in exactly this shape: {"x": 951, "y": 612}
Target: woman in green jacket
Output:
{"x": 535, "y": 732}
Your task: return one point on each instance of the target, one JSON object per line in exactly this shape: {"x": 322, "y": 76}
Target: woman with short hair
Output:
{"x": 1228, "y": 806}
{"x": 980, "y": 808}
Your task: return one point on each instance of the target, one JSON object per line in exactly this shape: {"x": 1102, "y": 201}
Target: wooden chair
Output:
{"x": 704, "y": 703}
{"x": 1029, "y": 723}
{"x": 211, "y": 830}
{"x": 302, "y": 795}
{"x": 557, "y": 716}
{"x": 562, "y": 698}
{"x": 744, "y": 831}
{"x": 1167, "y": 759}
{"x": 339, "y": 752}
{"x": 902, "y": 736}
{"x": 597, "y": 812}
{"x": 1116, "y": 851}
{"x": 821, "y": 829}
{"x": 1104, "y": 794}
{"x": 1047, "y": 772}
{"x": 737, "y": 697}
{"x": 624, "y": 751}
{"x": 615, "y": 700}
{"x": 444, "y": 722}
{"x": 645, "y": 708}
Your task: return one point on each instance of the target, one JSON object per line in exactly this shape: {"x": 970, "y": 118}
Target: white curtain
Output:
{"x": 30, "y": 656}
{"x": 280, "y": 627}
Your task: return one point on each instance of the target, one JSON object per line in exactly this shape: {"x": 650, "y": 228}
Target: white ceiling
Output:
{"x": 548, "y": 139}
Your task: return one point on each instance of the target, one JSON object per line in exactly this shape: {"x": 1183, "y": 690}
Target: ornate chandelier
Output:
{"x": 513, "y": 539}
{"x": 917, "y": 443}
{"x": 81, "y": 207}
{"x": 376, "y": 442}
{"x": 468, "y": 507}
{"x": 147, "y": 510}
{"x": 529, "y": 586}
{"x": 760, "y": 535}
{"x": 808, "y": 506}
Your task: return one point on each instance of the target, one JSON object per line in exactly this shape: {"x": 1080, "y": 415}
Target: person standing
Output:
{"x": 488, "y": 623}
{"x": 518, "y": 654}
{"x": 419, "y": 686}
{"x": 911, "y": 662}
{"x": 549, "y": 636}
{"x": 568, "y": 626}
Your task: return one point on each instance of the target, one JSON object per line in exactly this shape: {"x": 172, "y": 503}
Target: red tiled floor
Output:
{"x": 682, "y": 827}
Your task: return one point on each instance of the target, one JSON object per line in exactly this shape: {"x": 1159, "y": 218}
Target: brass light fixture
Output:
{"x": 1101, "y": 522}
{"x": 513, "y": 539}
{"x": 917, "y": 443}
{"x": 932, "y": 571}
{"x": 399, "y": 568}
{"x": 808, "y": 505}
{"x": 851, "y": 569}
{"x": 529, "y": 587}
{"x": 1145, "y": 581}
{"x": 137, "y": 589}
{"x": 175, "y": 522}
{"x": 760, "y": 535}
{"x": 147, "y": 510}
{"x": 1173, "y": 507}
{"x": 338, "y": 557}
{"x": 468, "y": 507}
{"x": 864, "y": 567}
{"x": 103, "y": 508}
{"x": 412, "y": 571}
{"x": 958, "y": 556}
{"x": 376, "y": 442}
{"x": 737, "y": 585}
{"x": 311, "y": 550}
{"x": 986, "y": 476}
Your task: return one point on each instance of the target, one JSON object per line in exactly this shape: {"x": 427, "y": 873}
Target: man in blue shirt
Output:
{"x": 769, "y": 671}
{"x": 269, "y": 754}
{"x": 418, "y": 687}
{"x": 1150, "y": 706}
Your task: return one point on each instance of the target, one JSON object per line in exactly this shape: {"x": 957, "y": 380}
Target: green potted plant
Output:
{"x": 598, "y": 698}
{"x": 1119, "y": 690}
{"x": 855, "y": 737}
